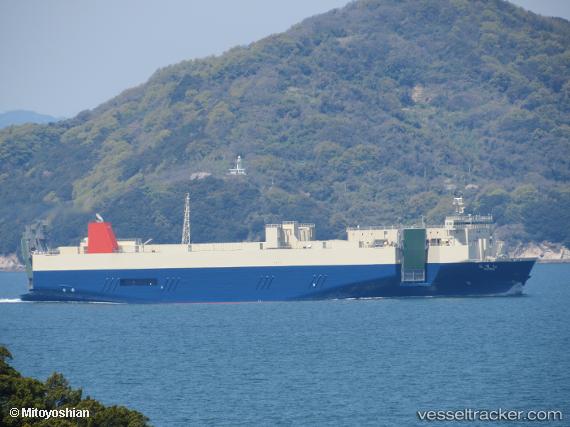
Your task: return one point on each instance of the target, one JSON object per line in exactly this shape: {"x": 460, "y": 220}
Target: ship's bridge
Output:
{"x": 468, "y": 221}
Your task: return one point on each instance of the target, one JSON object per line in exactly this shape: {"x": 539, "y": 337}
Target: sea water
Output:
{"x": 356, "y": 362}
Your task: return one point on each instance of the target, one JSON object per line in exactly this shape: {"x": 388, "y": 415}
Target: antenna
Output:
{"x": 99, "y": 218}
{"x": 186, "y": 226}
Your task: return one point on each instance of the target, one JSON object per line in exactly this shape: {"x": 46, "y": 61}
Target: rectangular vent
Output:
{"x": 138, "y": 282}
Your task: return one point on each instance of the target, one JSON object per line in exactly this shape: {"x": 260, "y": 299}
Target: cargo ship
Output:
{"x": 458, "y": 258}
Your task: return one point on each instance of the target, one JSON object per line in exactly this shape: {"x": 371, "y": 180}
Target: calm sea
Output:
{"x": 373, "y": 362}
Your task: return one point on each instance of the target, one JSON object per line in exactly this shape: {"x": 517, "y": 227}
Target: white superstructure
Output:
{"x": 462, "y": 238}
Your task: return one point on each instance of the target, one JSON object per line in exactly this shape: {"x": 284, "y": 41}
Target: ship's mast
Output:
{"x": 186, "y": 226}
{"x": 459, "y": 205}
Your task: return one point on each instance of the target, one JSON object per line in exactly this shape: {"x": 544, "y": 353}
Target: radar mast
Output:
{"x": 459, "y": 205}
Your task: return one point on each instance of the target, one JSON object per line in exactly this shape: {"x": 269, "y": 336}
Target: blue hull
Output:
{"x": 276, "y": 283}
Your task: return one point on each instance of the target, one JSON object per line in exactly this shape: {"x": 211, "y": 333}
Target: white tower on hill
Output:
{"x": 239, "y": 169}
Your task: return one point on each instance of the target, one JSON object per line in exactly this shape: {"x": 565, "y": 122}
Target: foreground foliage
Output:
{"x": 19, "y": 392}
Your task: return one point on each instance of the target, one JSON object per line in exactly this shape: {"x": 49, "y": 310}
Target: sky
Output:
{"x": 64, "y": 56}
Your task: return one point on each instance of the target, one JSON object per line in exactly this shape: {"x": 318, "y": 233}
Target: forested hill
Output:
{"x": 370, "y": 114}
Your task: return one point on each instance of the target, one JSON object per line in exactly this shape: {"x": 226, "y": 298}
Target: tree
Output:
{"x": 21, "y": 392}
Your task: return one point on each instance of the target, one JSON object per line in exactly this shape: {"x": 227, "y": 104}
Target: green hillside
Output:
{"x": 371, "y": 114}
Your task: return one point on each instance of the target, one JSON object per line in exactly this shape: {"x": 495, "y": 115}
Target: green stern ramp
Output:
{"x": 414, "y": 255}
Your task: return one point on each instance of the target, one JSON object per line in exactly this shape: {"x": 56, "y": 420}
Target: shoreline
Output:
{"x": 11, "y": 263}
